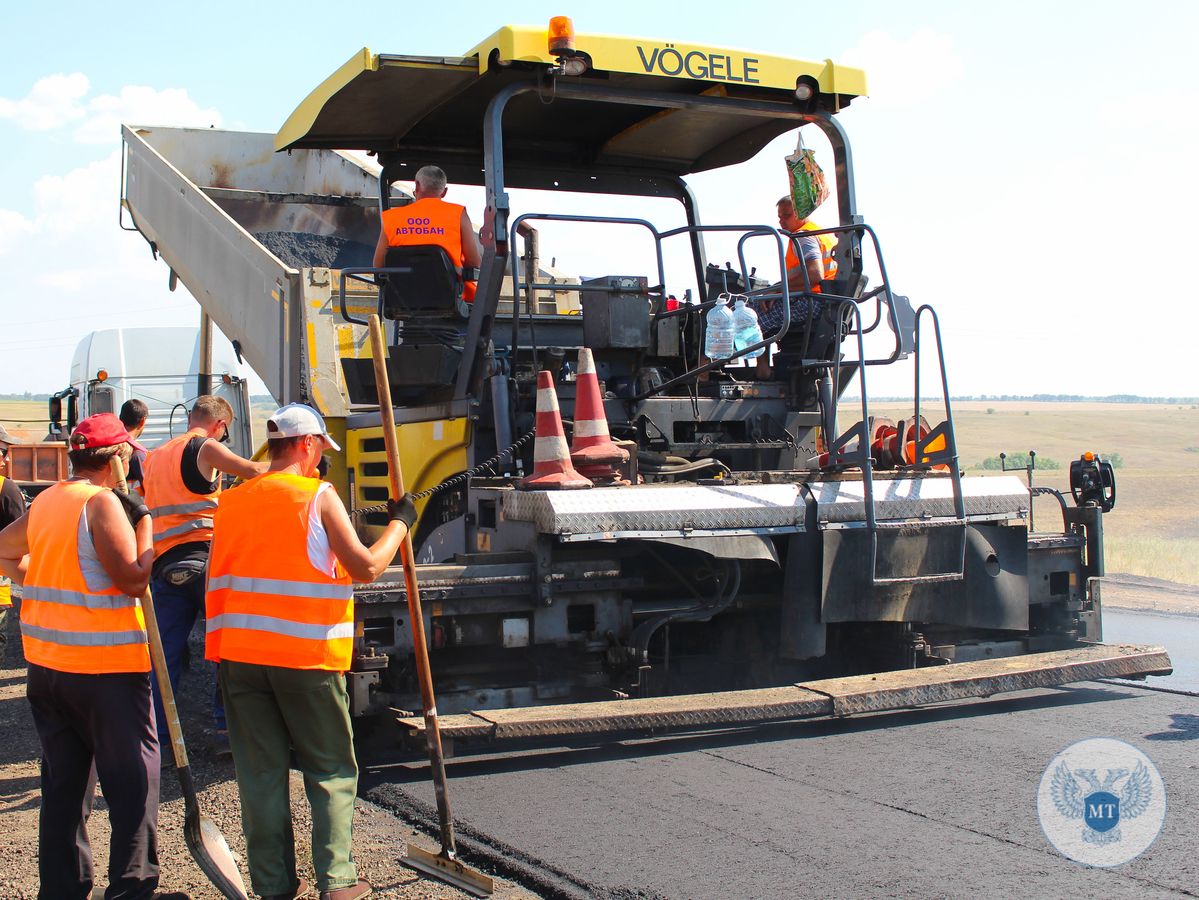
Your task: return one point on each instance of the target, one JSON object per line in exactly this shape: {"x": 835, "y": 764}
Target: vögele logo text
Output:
{"x": 668, "y": 60}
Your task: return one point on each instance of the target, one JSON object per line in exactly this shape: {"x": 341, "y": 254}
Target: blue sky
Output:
{"x": 1028, "y": 166}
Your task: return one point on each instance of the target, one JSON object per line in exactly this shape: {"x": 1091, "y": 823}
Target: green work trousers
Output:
{"x": 276, "y": 715}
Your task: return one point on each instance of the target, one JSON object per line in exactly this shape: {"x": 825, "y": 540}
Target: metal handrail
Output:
{"x": 923, "y": 459}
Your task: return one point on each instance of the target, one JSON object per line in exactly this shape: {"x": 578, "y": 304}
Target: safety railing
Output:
{"x": 936, "y": 447}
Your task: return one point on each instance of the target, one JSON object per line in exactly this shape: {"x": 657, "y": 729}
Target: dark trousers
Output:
{"x": 93, "y": 725}
{"x": 176, "y": 607}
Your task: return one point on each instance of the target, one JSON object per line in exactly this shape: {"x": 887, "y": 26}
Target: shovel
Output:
{"x": 205, "y": 841}
{"x": 444, "y": 865}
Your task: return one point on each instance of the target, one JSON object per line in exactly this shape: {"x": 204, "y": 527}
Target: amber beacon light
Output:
{"x": 561, "y": 41}
{"x": 561, "y": 36}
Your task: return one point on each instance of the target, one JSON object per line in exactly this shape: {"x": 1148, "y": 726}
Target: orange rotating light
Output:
{"x": 561, "y": 36}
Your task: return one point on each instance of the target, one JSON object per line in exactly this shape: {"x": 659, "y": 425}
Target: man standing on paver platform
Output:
{"x": 12, "y": 507}
{"x": 182, "y": 484}
{"x": 280, "y": 610}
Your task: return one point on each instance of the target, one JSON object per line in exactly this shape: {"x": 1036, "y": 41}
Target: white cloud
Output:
{"x": 73, "y": 271}
{"x": 13, "y": 226}
{"x": 60, "y": 100}
{"x": 905, "y": 72}
{"x": 137, "y": 104}
{"x": 52, "y": 102}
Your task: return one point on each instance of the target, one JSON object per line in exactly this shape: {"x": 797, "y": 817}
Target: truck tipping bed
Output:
{"x": 252, "y": 233}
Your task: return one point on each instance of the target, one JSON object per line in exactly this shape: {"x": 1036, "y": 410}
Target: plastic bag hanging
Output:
{"x": 808, "y": 187}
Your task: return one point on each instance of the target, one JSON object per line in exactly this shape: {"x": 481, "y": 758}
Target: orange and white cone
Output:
{"x": 593, "y": 452}
{"x": 552, "y": 470}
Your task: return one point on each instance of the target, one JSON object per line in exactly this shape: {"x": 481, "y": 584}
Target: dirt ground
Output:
{"x": 1137, "y": 592}
{"x": 379, "y": 838}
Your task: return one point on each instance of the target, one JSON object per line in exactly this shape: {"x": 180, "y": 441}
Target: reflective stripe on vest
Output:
{"x": 429, "y": 221}
{"x": 180, "y": 515}
{"x": 68, "y": 622}
{"x": 302, "y": 621}
{"x": 273, "y": 625}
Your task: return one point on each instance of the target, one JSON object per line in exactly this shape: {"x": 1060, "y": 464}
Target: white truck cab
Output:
{"x": 159, "y": 366}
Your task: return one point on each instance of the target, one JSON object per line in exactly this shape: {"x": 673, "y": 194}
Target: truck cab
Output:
{"x": 159, "y": 366}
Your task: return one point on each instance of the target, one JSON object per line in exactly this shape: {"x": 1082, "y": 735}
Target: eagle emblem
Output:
{"x": 1101, "y": 805}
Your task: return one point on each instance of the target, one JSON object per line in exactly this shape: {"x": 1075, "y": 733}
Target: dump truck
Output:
{"x": 766, "y": 547}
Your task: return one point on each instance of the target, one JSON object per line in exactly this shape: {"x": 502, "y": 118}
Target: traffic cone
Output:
{"x": 552, "y": 470}
{"x": 593, "y": 452}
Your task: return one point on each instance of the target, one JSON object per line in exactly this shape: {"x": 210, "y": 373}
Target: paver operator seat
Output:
{"x": 431, "y": 288}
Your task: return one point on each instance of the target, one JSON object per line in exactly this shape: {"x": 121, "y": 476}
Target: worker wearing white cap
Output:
{"x": 280, "y": 608}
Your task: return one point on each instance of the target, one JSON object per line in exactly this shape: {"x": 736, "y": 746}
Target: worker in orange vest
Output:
{"x": 182, "y": 485}
{"x": 430, "y": 220}
{"x": 280, "y": 611}
{"x": 12, "y": 507}
{"x": 84, "y": 554}
{"x": 819, "y": 263}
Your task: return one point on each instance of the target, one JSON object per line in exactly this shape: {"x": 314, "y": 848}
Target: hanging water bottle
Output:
{"x": 718, "y": 342}
{"x": 746, "y": 330}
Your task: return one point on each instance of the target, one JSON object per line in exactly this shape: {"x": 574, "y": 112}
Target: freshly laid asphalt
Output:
{"x": 932, "y": 802}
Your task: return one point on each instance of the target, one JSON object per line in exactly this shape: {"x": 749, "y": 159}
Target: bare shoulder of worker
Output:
{"x": 216, "y": 456}
{"x": 380, "y": 247}
{"x": 472, "y": 250}
{"x": 343, "y": 540}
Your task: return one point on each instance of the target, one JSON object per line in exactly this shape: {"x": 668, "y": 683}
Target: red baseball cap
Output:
{"x": 101, "y": 430}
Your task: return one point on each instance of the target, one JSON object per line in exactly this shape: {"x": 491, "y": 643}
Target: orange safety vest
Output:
{"x": 73, "y": 618}
{"x": 828, "y": 243}
{"x": 5, "y": 584}
{"x": 267, "y": 603}
{"x": 180, "y": 516}
{"x": 429, "y": 221}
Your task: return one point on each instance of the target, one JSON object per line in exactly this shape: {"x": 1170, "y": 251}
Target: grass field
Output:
{"x": 1154, "y": 529}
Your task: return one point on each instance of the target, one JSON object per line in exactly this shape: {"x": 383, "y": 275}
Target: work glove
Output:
{"x": 134, "y": 508}
{"x": 402, "y": 510}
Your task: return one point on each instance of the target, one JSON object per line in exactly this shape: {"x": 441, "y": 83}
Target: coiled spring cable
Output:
{"x": 455, "y": 480}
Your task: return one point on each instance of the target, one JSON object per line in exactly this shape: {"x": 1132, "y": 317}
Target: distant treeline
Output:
{"x": 1048, "y": 398}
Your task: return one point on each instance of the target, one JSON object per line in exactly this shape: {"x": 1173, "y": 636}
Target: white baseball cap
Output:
{"x": 296, "y": 420}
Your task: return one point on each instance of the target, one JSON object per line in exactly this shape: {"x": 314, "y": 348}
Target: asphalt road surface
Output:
{"x": 1178, "y": 634}
{"x": 932, "y": 802}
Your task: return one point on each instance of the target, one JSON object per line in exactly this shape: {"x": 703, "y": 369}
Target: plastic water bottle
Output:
{"x": 718, "y": 342}
{"x": 746, "y": 330}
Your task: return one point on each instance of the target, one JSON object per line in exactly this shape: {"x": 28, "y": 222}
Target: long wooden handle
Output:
{"x": 415, "y": 614}
{"x": 157, "y": 656}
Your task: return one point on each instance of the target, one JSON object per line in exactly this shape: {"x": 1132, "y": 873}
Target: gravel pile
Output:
{"x": 299, "y": 249}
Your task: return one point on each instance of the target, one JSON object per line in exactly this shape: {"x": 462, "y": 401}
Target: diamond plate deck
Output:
{"x": 668, "y": 509}
{"x": 917, "y": 687}
{"x": 919, "y": 498}
{"x": 827, "y": 697}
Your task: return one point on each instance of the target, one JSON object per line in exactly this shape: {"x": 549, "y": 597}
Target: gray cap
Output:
{"x": 6, "y": 438}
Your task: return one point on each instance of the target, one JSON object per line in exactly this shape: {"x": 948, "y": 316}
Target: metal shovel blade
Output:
{"x": 212, "y": 854}
{"x": 451, "y": 871}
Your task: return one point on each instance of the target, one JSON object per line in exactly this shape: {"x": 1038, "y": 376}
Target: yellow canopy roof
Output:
{"x": 433, "y": 108}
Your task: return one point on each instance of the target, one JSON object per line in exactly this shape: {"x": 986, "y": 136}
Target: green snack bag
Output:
{"x": 808, "y": 187}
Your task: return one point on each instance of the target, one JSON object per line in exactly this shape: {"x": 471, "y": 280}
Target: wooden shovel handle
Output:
{"x": 157, "y": 656}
